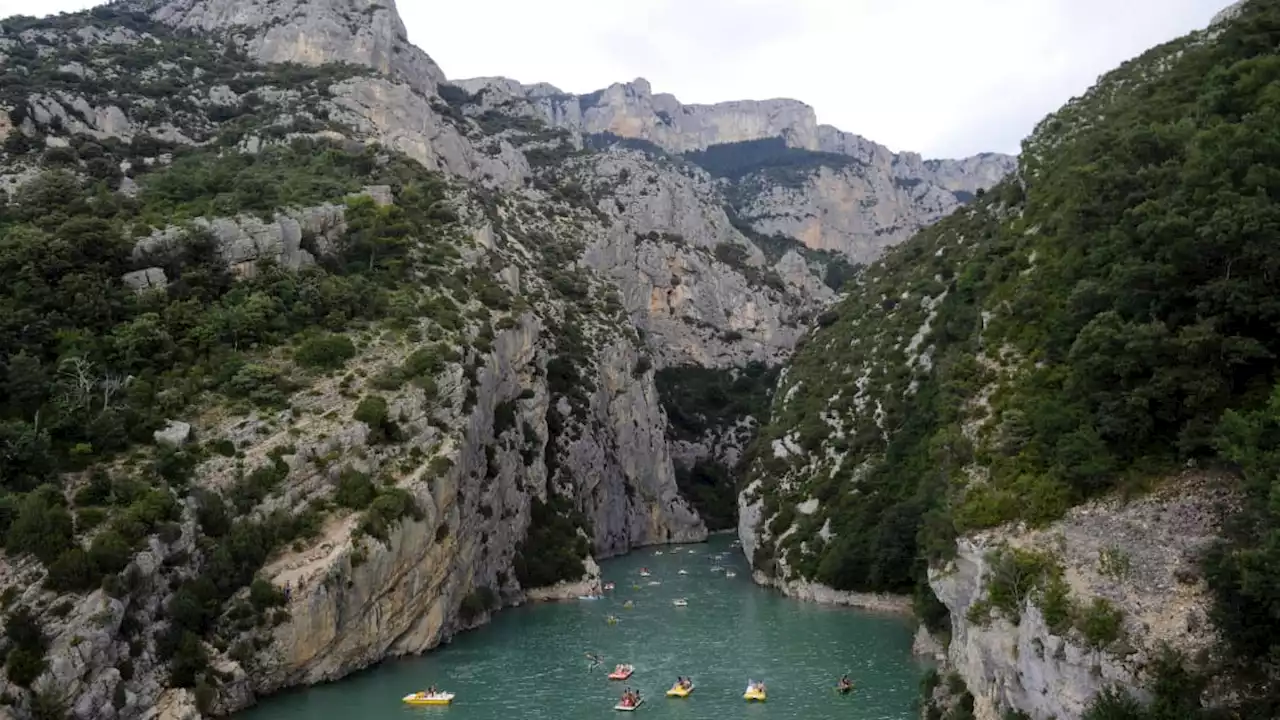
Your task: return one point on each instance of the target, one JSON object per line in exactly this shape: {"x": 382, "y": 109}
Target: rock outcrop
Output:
{"x": 1136, "y": 563}
{"x": 309, "y": 32}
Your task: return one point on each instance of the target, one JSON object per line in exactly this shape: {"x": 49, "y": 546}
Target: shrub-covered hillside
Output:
{"x": 1108, "y": 316}
{"x": 253, "y": 362}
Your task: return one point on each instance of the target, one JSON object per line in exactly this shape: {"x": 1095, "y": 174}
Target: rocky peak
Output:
{"x": 1228, "y": 13}
{"x": 309, "y": 32}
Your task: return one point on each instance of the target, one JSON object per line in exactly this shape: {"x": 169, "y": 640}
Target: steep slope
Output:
{"x": 782, "y": 172}
{"x": 312, "y": 359}
{"x": 1103, "y": 322}
{"x": 323, "y": 406}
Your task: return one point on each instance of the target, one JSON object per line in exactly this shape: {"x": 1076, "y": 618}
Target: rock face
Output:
{"x": 310, "y": 32}
{"x": 357, "y": 602}
{"x": 703, "y": 293}
{"x": 1142, "y": 558}
{"x": 846, "y": 193}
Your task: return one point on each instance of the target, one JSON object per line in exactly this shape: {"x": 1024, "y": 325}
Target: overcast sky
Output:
{"x": 941, "y": 77}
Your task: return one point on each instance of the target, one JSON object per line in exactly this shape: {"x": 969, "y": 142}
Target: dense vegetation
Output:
{"x": 721, "y": 407}
{"x": 557, "y": 542}
{"x": 92, "y": 367}
{"x": 1131, "y": 293}
{"x": 771, "y": 156}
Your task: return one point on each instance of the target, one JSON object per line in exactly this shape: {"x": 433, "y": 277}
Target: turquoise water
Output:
{"x": 529, "y": 664}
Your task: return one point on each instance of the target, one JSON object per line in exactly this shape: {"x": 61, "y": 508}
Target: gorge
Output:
{"x": 314, "y": 357}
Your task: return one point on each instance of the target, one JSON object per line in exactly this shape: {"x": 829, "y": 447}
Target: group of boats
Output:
{"x": 631, "y": 700}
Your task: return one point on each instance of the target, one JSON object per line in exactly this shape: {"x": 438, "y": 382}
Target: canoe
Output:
{"x": 425, "y": 699}
{"x": 679, "y": 692}
{"x": 628, "y": 708}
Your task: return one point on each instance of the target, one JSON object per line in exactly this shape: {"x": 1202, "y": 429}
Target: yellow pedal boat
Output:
{"x": 754, "y": 693}
{"x": 680, "y": 692}
{"x": 423, "y": 698}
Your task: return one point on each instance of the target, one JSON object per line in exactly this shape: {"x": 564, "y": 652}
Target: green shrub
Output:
{"x": 1101, "y": 623}
{"x": 355, "y": 490}
{"x": 89, "y": 518}
{"x": 42, "y": 527}
{"x": 73, "y": 571}
{"x": 504, "y": 417}
{"x": 25, "y": 661}
{"x": 386, "y": 510}
{"x": 553, "y": 549}
{"x": 373, "y": 412}
{"x": 23, "y": 666}
{"x": 263, "y": 595}
{"x": 325, "y": 352}
{"x": 476, "y": 603}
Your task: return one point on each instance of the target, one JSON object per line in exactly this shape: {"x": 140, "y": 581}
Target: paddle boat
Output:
{"x": 654, "y": 582}
{"x": 657, "y": 552}
{"x": 622, "y": 672}
{"x": 429, "y": 698}
{"x": 612, "y": 619}
{"x": 681, "y": 689}
{"x": 683, "y": 572}
{"x": 755, "y": 692}
{"x": 716, "y": 568}
{"x": 629, "y": 702}
{"x": 680, "y": 602}
{"x": 628, "y": 605}
{"x": 644, "y": 572}
{"x": 608, "y": 586}
{"x": 730, "y": 573}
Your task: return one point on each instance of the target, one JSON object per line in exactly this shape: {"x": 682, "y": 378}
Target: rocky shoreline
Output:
{"x": 821, "y": 594}
{"x": 567, "y": 590}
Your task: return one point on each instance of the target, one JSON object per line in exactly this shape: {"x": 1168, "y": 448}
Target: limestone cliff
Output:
{"x": 1130, "y": 585}
{"x": 307, "y": 32}
{"x": 837, "y": 191}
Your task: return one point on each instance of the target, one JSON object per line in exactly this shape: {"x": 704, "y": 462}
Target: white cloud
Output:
{"x": 941, "y": 77}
